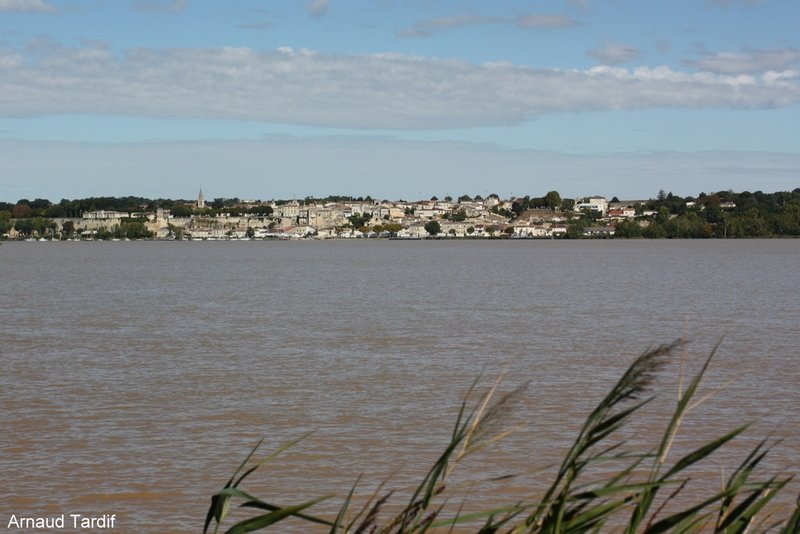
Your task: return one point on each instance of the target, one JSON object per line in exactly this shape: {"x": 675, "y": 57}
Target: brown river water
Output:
{"x": 135, "y": 376}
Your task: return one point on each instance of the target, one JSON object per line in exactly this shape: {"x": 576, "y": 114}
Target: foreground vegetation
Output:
{"x": 641, "y": 496}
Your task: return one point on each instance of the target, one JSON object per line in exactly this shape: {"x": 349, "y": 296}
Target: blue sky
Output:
{"x": 397, "y": 98}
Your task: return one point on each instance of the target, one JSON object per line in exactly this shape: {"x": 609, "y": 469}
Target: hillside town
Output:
{"x": 358, "y": 218}
{"x": 724, "y": 214}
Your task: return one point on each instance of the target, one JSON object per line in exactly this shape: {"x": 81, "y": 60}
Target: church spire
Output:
{"x": 201, "y": 200}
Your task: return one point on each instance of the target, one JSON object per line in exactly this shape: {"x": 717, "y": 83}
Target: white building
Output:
{"x": 596, "y": 203}
{"x": 104, "y": 214}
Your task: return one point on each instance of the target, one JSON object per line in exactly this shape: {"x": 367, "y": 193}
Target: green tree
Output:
{"x": 40, "y": 204}
{"x": 433, "y": 227}
{"x": 68, "y": 229}
{"x": 458, "y": 216}
{"x": 553, "y": 200}
{"x": 57, "y": 211}
{"x": 131, "y": 229}
{"x": 262, "y": 209}
{"x": 663, "y": 215}
{"x": 392, "y": 228}
{"x": 175, "y": 231}
{"x": 25, "y": 226}
{"x": 181, "y": 210}
{"x": 575, "y": 228}
{"x": 21, "y": 211}
{"x": 359, "y": 220}
{"x": 655, "y": 230}
{"x": 628, "y": 229}
{"x": 5, "y": 226}
{"x": 103, "y": 234}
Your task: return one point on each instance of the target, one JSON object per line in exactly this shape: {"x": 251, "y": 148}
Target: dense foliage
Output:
{"x": 723, "y": 214}
{"x": 719, "y": 215}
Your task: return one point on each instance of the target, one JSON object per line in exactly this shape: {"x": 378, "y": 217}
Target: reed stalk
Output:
{"x": 639, "y": 497}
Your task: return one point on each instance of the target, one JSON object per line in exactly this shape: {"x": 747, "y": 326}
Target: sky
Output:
{"x": 262, "y": 99}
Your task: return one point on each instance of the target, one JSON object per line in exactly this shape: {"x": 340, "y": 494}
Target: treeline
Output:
{"x": 716, "y": 215}
{"x": 47, "y": 228}
{"x": 183, "y": 210}
{"x": 551, "y": 201}
{"x": 66, "y": 208}
{"x": 719, "y": 215}
{"x": 43, "y": 208}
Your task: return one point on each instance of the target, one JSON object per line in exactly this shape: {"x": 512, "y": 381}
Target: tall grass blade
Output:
{"x": 700, "y": 453}
{"x": 672, "y": 521}
{"x": 549, "y": 514}
{"x": 265, "y": 520}
{"x": 741, "y": 518}
{"x": 648, "y": 496}
{"x": 343, "y": 510}
{"x": 793, "y": 525}
{"x": 220, "y": 502}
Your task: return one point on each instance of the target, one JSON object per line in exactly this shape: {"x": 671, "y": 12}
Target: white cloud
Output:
{"x": 39, "y": 6}
{"x": 583, "y": 5}
{"x": 256, "y": 26}
{"x": 545, "y": 21}
{"x": 9, "y": 60}
{"x": 383, "y": 91}
{"x": 752, "y": 61}
{"x": 425, "y": 28}
{"x": 614, "y": 53}
{"x": 727, "y": 3}
{"x": 318, "y": 8}
{"x": 171, "y": 6}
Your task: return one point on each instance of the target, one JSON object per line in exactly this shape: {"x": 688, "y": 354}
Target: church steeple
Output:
{"x": 201, "y": 200}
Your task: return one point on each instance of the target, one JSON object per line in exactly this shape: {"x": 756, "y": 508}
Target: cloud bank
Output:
{"x": 171, "y": 6}
{"x": 426, "y": 28}
{"x": 614, "y": 53}
{"x": 318, "y": 8}
{"x": 748, "y": 62}
{"x": 36, "y": 6}
{"x": 379, "y": 91}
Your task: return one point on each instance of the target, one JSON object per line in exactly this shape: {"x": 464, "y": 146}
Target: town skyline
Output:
{"x": 724, "y": 214}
